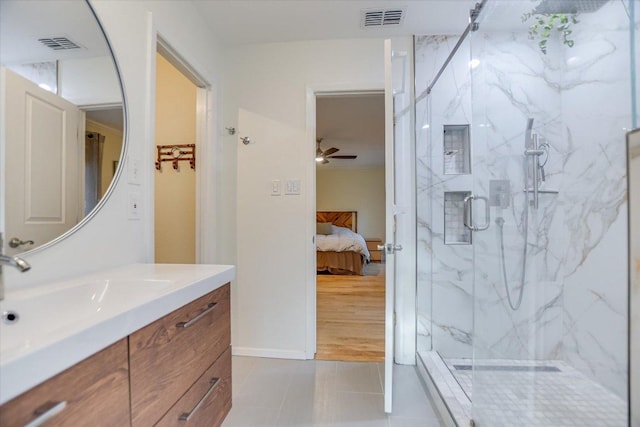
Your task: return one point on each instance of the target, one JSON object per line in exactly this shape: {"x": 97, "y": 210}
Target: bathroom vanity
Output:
{"x": 140, "y": 345}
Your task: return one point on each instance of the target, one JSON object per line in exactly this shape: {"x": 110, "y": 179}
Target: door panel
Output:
{"x": 43, "y": 172}
{"x": 400, "y": 213}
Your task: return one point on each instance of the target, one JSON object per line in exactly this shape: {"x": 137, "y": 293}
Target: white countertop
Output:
{"x": 64, "y": 322}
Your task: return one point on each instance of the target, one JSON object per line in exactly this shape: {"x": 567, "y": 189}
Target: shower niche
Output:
{"x": 456, "y": 150}
{"x": 455, "y": 232}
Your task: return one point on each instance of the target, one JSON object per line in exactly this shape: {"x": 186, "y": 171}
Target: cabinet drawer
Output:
{"x": 169, "y": 355}
{"x": 95, "y": 392}
{"x": 208, "y": 401}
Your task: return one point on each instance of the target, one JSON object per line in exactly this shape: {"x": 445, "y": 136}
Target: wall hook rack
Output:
{"x": 175, "y": 154}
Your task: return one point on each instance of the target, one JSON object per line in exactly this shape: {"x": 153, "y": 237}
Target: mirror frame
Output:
{"x": 121, "y": 163}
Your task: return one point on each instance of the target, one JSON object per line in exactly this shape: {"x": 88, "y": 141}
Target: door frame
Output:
{"x": 405, "y": 301}
{"x": 313, "y": 91}
{"x": 205, "y": 162}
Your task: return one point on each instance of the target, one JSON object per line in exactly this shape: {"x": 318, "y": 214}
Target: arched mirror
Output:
{"x": 62, "y": 124}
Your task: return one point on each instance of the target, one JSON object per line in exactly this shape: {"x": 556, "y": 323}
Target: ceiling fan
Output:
{"x": 323, "y": 157}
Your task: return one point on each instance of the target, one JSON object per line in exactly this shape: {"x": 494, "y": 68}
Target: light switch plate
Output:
{"x": 293, "y": 187}
{"x": 275, "y": 187}
{"x": 133, "y": 171}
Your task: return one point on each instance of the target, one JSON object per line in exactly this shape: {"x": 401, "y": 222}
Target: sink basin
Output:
{"x": 61, "y": 308}
{"x": 61, "y": 323}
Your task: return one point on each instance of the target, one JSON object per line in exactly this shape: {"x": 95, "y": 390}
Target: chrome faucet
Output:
{"x": 12, "y": 261}
{"x": 16, "y": 262}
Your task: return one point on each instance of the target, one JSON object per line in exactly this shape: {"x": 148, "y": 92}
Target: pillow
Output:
{"x": 323, "y": 228}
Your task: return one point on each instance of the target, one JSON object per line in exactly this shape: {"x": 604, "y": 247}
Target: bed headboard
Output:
{"x": 347, "y": 219}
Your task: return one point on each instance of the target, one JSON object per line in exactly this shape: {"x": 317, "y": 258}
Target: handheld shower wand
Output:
{"x": 528, "y": 134}
{"x": 531, "y": 150}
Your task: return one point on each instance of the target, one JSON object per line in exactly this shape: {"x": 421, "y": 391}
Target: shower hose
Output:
{"x": 500, "y": 223}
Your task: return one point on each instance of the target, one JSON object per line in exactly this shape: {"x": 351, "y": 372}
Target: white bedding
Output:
{"x": 342, "y": 240}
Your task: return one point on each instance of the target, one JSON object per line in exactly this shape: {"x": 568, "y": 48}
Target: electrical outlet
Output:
{"x": 133, "y": 207}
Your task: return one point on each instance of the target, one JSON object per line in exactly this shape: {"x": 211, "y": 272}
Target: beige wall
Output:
{"x": 174, "y": 190}
{"x": 111, "y": 150}
{"x": 361, "y": 190}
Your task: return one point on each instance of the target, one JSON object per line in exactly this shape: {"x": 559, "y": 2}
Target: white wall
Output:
{"x": 361, "y": 190}
{"x": 269, "y": 82}
{"x": 109, "y": 238}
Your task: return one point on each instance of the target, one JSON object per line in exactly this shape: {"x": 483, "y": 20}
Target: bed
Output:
{"x": 339, "y": 248}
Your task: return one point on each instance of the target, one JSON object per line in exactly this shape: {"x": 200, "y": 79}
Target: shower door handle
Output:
{"x": 467, "y": 213}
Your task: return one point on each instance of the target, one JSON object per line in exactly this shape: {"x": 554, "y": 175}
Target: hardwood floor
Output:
{"x": 350, "y": 316}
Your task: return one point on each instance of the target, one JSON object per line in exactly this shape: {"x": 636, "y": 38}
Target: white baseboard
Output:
{"x": 268, "y": 352}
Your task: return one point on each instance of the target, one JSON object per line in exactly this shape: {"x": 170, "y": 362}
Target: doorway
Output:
{"x": 181, "y": 111}
{"x": 350, "y": 204}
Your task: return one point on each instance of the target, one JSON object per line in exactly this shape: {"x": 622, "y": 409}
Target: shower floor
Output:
{"x": 528, "y": 393}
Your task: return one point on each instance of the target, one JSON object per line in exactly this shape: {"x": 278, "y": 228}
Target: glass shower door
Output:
{"x": 516, "y": 317}
{"x": 549, "y": 244}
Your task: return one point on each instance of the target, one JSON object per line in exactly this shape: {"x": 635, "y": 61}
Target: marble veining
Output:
{"x": 574, "y": 303}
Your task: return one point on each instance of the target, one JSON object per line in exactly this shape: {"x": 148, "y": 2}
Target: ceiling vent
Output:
{"x": 382, "y": 17}
{"x": 58, "y": 43}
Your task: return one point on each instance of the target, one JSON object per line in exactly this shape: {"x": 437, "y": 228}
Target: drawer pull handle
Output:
{"x": 46, "y": 412}
{"x": 198, "y": 317}
{"x": 186, "y": 416}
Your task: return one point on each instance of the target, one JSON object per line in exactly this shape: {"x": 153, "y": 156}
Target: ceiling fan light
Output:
{"x": 319, "y": 158}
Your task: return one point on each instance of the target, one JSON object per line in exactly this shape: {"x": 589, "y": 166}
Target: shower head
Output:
{"x": 548, "y": 7}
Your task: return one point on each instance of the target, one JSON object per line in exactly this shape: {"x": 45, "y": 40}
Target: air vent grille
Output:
{"x": 58, "y": 43}
{"x": 382, "y": 17}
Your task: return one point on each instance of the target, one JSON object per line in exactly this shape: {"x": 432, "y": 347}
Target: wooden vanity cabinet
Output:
{"x": 174, "y": 368}
{"x": 93, "y": 392}
{"x": 171, "y": 354}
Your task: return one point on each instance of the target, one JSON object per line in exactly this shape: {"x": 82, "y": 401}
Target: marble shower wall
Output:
{"x": 574, "y": 303}
{"x": 513, "y": 83}
{"x": 445, "y": 272}
{"x": 596, "y": 103}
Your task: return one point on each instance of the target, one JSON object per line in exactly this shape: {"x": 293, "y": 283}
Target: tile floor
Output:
{"x": 544, "y": 393}
{"x": 313, "y": 393}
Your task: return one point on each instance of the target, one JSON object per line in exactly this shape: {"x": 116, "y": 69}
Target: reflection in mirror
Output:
{"x": 61, "y": 119}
